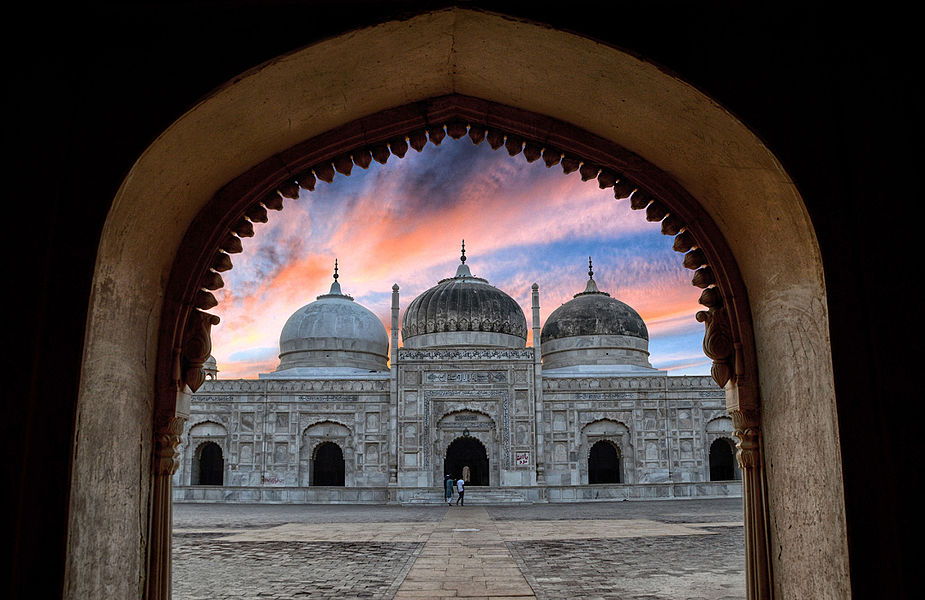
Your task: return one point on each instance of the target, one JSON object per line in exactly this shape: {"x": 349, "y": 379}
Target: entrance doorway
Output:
{"x": 467, "y": 452}
{"x": 328, "y": 465}
{"x": 210, "y": 466}
{"x": 604, "y": 463}
{"x": 722, "y": 461}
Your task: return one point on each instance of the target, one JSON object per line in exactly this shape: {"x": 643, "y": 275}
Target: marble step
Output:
{"x": 475, "y": 495}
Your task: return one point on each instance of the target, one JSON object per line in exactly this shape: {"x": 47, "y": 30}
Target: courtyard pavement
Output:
{"x": 670, "y": 549}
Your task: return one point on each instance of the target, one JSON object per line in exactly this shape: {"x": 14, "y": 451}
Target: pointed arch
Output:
{"x": 723, "y": 183}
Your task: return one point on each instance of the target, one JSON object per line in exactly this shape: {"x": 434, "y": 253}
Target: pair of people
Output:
{"x": 448, "y": 485}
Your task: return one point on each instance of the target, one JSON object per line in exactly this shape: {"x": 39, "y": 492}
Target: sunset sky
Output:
{"x": 402, "y": 223}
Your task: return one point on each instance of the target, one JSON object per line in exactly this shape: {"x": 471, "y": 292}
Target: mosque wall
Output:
{"x": 659, "y": 423}
{"x": 268, "y": 430}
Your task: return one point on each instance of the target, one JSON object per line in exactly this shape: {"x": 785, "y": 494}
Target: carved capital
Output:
{"x": 197, "y": 346}
{"x": 748, "y": 433}
{"x": 166, "y": 439}
{"x": 718, "y": 344}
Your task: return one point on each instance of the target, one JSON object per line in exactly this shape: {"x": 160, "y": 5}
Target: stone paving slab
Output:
{"x": 357, "y": 532}
{"x": 627, "y": 550}
{"x": 591, "y": 528}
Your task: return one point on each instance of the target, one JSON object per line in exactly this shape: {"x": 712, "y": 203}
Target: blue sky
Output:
{"x": 402, "y": 223}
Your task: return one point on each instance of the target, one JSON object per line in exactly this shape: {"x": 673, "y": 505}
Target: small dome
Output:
{"x": 335, "y": 334}
{"x": 594, "y": 329}
{"x": 464, "y": 311}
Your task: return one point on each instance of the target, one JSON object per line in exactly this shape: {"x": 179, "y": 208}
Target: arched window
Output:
{"x": 722, "y": 461}
{"x": 328, "y": 465}
{"x": 209, "y": 465}
{"x": 604, "y": 463}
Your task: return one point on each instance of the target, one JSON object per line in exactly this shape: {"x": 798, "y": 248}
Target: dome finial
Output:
{"x": 591, "y": 288}
{"x": 335, "y": 287}
{"x": 462, "y": 270}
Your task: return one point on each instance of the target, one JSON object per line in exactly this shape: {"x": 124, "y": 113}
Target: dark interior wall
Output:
{"x": 89, "y": 88}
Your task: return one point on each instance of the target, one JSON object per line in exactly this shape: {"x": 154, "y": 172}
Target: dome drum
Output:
{"x": 595, "y": 350}
{"x": 333, "y": 352}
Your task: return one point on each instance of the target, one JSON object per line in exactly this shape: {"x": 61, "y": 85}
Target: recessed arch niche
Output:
{"x": 766, "y": 262}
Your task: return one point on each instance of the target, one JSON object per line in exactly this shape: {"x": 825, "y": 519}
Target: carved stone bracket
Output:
{"x": 167, "y": 437}
{"x": 197, "y": 346}
{"x": 717, "y": 340}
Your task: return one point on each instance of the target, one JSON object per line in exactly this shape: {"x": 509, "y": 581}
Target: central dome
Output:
{"x": 464, "y": 311}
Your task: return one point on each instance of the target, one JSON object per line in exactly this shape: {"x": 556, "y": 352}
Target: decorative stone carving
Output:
{"x": 167, "y": 437}
{"x": 197, "y": 346}
{"x": 466, "y": 354}
{"x": 717, "y": 343}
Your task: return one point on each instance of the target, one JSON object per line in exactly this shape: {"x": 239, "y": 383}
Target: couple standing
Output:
{"x": 448, "y": 485}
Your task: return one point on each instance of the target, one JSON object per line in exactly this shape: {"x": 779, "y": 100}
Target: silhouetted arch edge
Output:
{"x": 709, "y": 154}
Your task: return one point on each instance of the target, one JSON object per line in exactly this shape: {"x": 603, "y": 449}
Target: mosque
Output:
{"x": 349, "y": 416}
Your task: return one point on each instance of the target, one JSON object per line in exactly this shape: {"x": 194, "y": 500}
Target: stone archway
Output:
{"x": 467, "y": 452}
{"x": 328, "y": 465}
{"x": 208, "y": 465}
{"x": 722, "y": 460}
{"x": 604, "y": 462}
{"x": 777, "y": 315}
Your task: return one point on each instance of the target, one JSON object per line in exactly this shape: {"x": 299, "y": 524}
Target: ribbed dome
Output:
{"x": 464, "y": 311}
{"x": 594, "y": 329}
{"x": 334, "y": 332}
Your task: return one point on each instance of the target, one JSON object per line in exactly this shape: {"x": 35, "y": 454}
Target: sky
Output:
{"x": 403, "y": 223}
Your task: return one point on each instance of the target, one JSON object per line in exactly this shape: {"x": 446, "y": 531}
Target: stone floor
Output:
{"x": 625, "y": 550}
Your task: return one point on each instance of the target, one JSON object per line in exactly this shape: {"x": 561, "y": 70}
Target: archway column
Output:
{"x": 167, "y": 435}
{"x": 754, "y": 497}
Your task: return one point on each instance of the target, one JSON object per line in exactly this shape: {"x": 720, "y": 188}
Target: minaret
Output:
{"x": 539, "y": 425}
{"x": 393, "y": 389}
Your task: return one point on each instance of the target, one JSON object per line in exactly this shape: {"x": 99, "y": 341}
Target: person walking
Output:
{"x": 448, "y": 484}
{"x": 461, "y": 488}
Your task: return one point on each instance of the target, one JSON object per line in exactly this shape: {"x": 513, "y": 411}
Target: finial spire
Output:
{"x": 335, "y": 286}
{"x": 462, "y": 270}
{"x": 591, "y": 288}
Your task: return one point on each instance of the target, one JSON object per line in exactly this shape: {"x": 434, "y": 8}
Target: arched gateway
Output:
{"x": 467, "y": 452}
{"x": 328, "y": 465}
{"x": 645, "y": 123}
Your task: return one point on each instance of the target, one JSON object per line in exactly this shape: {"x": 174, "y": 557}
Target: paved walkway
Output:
{"x": 627, "y": 550}
{"x": 465, "y": 557}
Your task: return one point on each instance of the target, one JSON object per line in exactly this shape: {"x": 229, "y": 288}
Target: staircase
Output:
{"x": 475, "y": 496}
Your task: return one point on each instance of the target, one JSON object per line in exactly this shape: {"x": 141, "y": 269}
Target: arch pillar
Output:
{"x": 167, "y": 436}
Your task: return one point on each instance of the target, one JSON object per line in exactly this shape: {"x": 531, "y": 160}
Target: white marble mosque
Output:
{"x": 348, "y": 416}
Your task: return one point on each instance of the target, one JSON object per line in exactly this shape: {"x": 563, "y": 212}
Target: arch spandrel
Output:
{"x": 750, "y": 201}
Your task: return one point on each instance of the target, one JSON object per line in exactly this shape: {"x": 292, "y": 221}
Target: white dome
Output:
{"x": 333, "y": 334}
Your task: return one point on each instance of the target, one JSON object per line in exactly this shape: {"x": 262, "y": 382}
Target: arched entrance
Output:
{"x": 328, "y": 465}
{"x": 209, "y": 466}
{"x": 722, "y": 461}
{"x": 722, "y": 182}
{"x": 604, "y": 463}
{"x": 467, "y": 452}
